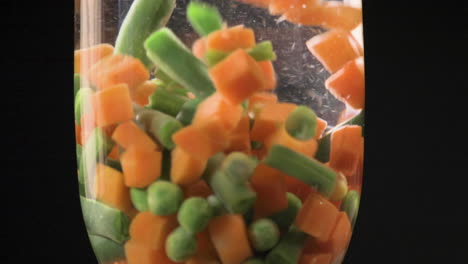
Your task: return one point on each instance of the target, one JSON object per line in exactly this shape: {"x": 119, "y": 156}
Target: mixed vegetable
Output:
{"x": 202, "y": 164}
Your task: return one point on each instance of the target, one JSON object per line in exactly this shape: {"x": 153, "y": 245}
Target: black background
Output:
{"x": 414, "y": 200}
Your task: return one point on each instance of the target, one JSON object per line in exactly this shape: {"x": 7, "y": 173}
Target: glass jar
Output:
{"x": 219, "y": 131}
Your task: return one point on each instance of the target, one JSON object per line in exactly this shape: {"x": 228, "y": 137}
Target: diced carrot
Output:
{"x": 137, "y": 253}
{"x": 358, "y": 35}
{"x": 197, "y": 189}
{"x": 199, "y": 48}
{"x": 110, "y": 188}
{"x": 78, "y": 134}
{"x": 113, "y": 105}
{"x": 270, "y": 118}
{"x": 269, "y": 185}
{"x": 205, "y": 247}
{"x": 282, "y": 137}
{"x": 269, "y": 73}
{"x": 317, "y": 216}
{"x": 186, "y": 168}
{"x": 142, "y": 93}
{"x": 87, "y": 57}
{"x": 277, "y": 7}
{"x": 347, "y": 84}
{"x": 347, "y": 114}
{"x": 257, "y": 3}
{"x": 333, "y": 49}
{"x": 151, "y": 230}
{"x": 109, "y": 130}
{"x": 332, "y": 14}
{"x": 238, "y": 76}
{"x": 320, "y": 258}
{"x": 114, "y": 153}
{"x": 337, "y": 204}
{"x": 230, "y": 39}
{"x": 229, "y": 236}
{"x": 117, "y": 69}
{"x": 346, "y": 148}
{"x": 195, "y": 142}
{"x": 129, "y": 133}
{"x": 297, "y": 187}
{"x": 258, "y": 100}
{"x": 339, "y": 237}
{"x": 321, "y": 126}
{"x": 201, "y": 260}
{"x": 239, "y": 140}
{"x": 141, "y": 166}
{"x": 216, "y": 117}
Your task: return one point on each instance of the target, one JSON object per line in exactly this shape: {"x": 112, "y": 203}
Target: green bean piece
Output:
{"x": 212, "y": 166}
{"x": 301, "y": 123}
{"x": 166, "y": 102}
{"x": 194, "y": 214}
{"x": 171, "y": 85}
{"x": 76, "y": 83}
{"x": 323, "y": 151}
{"x": 177, "y": 61}
{"x": 187, "y": 111}
{"x": 180, "y": 245}
{"x": 105, "y": 221}
{"x": 204, "y": 18}
{"x": 285, "y": 218}
{"x": 106, "y": 250}
{"x": 167, "y": 129}
{"x": 82, "y": 103}
{"x": 162, "y": 76}
{"x": 263, "y": 51}
{"x": 216, "y": 206}
{"x": 139, "y": 198}
{"x": 350, "y": 205}
{"x": 254, "y": 261}
{"x": 159, "y": 125}
{"x": 164, "y": 198}
{"x": 238, "y": 166}
{"x": 213, "y": 57}
{"x": 237, "y": 198}
{"x": 263, "y": 234}
{"x": 288, "y": 250}
{"x": 303, "y": 168}
{"x": 143, "y": 18}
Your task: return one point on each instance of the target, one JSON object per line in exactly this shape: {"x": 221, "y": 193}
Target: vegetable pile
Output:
{"x": 202, "y": 164}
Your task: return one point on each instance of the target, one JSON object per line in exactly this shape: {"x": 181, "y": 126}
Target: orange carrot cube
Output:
{"x": 189, "y": 168}
{"x": 321, "y": 126}
{"x": 85, "y": 58}
{"x": 129, "y": 133}
{"x": 113, "y": 105}
{"x": 238, "y": 76}
{"x": 195, "y": 142}
{"x": 339, "y": 237}
{"x": 141, "y": 166}
{"x": 270, "y": 118}
{"x": 258, "y": 100}
{"x": 282, "y": 137}
{"x": 136, "y": 253}
{"x": 230, "y": 39}
{"x": 347, "y": 84}
{"x": 142, "y": 93}
{"x": 151, "y": 230}
{"x": 278, "y": 7}
{"x": 197, "y": 189}
{"x": 269, "y": 73}
{"x": 239, "y": 140}
{"x": 270, "y": 188}
{"x": 346, "y": 149}
{"x": 333, "y": 49}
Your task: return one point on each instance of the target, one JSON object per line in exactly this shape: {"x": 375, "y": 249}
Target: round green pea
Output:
{"x": 180, "y": 245}
{"x": 194, "y": 214}
{"x": 139, "y": 199}
{"x": 263, "y": 234}
{"x": 164, "y": 198}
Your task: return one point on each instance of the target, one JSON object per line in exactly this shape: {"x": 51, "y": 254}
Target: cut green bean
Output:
{"x": 106, "y": 250}
{"x": 143, "y": 18}
{"x": 285, "y": 218}
{"x": 323, "y": 151}
{"x": 216, "y": 205}
{"x": 213, "y": 165}
{"x": 76, "y": 83}
{"x": 263, "y": 234}
{"x": 139, "y": 198}
{"x": 350, "y": 206}
{"x": 237, "y": 198}
{"x": 164, "y": 198}
{"x": 204, "y": 18}
{"x": 213, "y": 57}
{"x": 263, "y": 51}
{"x": 166, "y": 102}
{"x": 238, "y": 166}
{"x": 170, "y": 85}
{"x": 301, "y": 123}
{"x": 254, "y": 261}
{"x": 288, "y": 250}
{"x": 187, "y": 111}
{"x": 105, "y": 221}
{"x": 177, "y": 61}
{"x": 303, "y": 168}
{"x": 159, "y": 125}
{"x": 180, "y": 245}
{"x": 82, "y": 103}
{"x": 194, "y": 214}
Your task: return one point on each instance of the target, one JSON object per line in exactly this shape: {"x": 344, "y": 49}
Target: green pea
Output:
{"x": 180, "y": 245}
{"x": 263, "y": 234}
{"x": 194, "y": 214}
{"x": 164, "y": 198}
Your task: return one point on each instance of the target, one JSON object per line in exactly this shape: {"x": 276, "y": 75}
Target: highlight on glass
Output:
{"x": 219, "y": 131}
